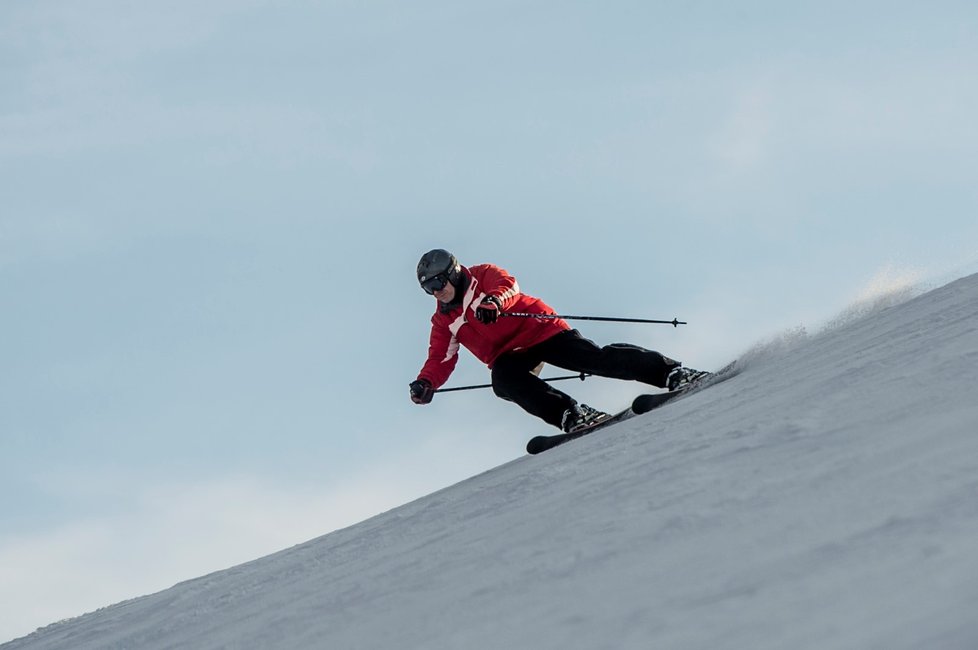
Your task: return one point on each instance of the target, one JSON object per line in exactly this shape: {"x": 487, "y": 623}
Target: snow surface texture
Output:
{"x": 827, "y": 497}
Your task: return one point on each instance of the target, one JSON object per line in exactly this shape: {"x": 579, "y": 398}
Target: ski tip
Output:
{"x": 645, "y": 403}
{"x": 537, "y": 444}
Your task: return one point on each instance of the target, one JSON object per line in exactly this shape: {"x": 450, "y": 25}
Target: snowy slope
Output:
{"x": 827, "y": 497}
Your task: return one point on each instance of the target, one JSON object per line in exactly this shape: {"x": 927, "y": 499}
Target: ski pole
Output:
{"x": 452, "y": 390}
{"x": 675, "y": 322}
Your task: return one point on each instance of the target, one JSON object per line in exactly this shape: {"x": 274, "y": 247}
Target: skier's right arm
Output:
{"x": 421, "y": 391}
{"x": 442, "y": 357}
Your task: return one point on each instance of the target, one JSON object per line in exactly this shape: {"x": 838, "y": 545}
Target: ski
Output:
{"x": 543, "y": 443}
{"x": 641, "y": 404}
{"x": 646, "y": 403}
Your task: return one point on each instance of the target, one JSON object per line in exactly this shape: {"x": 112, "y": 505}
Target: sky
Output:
{"x": 211, "y": 213}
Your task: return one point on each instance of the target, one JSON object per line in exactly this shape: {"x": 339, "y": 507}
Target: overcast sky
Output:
{"x": 210, "y": 216}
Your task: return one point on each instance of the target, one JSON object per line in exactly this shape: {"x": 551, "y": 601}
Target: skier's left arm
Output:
{"x": 501, "y": 291}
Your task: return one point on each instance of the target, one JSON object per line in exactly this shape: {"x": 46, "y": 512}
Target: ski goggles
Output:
{"x": 435, "y": 283}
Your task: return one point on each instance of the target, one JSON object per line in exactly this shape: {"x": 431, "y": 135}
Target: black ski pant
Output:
{"x": 513, "y": 378}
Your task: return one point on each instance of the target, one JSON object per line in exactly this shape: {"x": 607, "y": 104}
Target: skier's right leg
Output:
{"x": 513, "y": 380}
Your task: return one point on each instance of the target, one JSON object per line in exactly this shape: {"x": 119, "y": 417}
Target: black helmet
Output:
{"x": 437, "y": 268}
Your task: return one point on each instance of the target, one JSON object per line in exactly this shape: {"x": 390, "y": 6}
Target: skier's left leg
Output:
{"x": 571, "y": 351}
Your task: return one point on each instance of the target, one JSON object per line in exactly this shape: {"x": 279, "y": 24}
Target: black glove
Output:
{"x": 488, "y": 310}
{"x": 421, "y": 391}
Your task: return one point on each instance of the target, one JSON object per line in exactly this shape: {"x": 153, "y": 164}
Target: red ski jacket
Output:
{"x": 458, "y": 325}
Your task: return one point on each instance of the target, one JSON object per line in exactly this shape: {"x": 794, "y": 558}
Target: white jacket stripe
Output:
{"x": 467, "y": 300}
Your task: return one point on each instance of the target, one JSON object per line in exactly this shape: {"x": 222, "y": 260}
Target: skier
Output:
{"x": 472, "y": 303}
